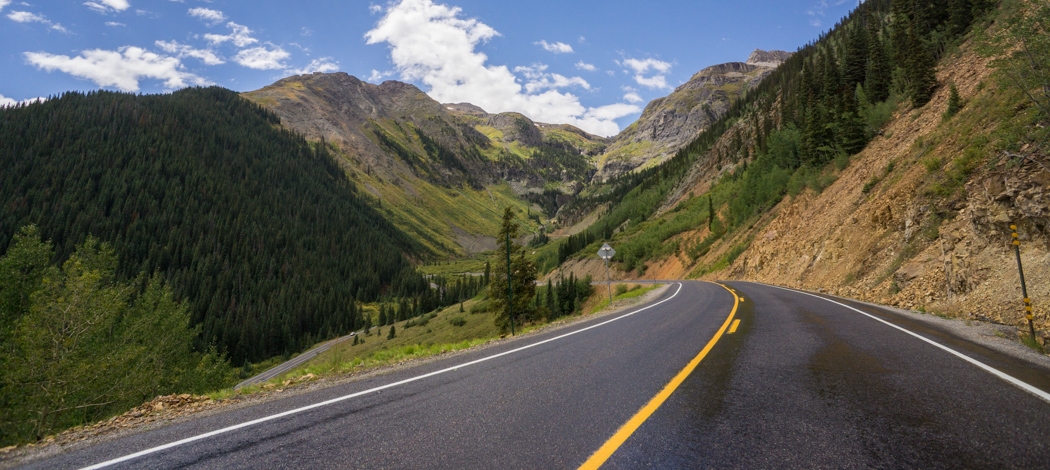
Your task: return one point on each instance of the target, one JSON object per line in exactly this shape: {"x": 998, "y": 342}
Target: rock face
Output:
{"x": 669, "y": 123}
{"x": 770, "y": 59}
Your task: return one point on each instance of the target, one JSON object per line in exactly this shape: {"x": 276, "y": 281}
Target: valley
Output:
{"x": 889, "y": 161}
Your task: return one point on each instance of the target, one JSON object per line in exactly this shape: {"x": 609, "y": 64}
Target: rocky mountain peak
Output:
{"x": 768, "y": 58}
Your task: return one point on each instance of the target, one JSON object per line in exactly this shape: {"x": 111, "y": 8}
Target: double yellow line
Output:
{"x": 598, "y": 458}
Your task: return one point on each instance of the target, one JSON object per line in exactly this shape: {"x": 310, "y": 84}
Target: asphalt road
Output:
{"x": 802, "y": 382}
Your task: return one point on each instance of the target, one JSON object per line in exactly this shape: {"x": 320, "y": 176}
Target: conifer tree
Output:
{"x": 856, "y": 60}
{"x": 522, "y": 276}
{"x": 852, "y": 138}
{"x": 922, "y": 79}
{"x": 960, "y": 15}
{"x": 878, "y": 77}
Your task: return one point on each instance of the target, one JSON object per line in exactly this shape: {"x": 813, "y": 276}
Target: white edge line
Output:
{"x": 364, "y": 392}
{"x": 991, "y": 370}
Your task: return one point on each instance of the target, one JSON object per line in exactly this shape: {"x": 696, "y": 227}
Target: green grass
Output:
{"x": 634, "y": 292}
{"x": 1029, "y": 341}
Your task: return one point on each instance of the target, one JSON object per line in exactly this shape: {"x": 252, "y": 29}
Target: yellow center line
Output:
{"x": 736, "y": 323}
{"x": 599, "y": 457}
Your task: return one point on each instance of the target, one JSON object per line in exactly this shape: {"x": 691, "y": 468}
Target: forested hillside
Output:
{"x": 255, "y": 229}
{"x": 791, "y": 132}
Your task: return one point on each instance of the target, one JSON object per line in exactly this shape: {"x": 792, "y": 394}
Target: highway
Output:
{"x": 706, "y": 376}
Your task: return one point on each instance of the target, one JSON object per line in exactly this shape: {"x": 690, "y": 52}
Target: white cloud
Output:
{"x": 655, "y": 82}
{"x": 114, "y": 23}
{"x": 207, "y": 15}
{"x": 182, "y": 50}
{"x": 585, "y": 66}
{"x": 261, "y": 58}
{"x": 632, "y": 97}
{"x": 377, "y": 76}
{"x": 27, "y": 17}
{"x": 121, "y": 69}
{"x": 557, "y": 48}
{"x": 432, "y": 44}
{"x": 4, "y": 3}
{"x": 324, "y": 65}
{"x": 105, "y": 6}
{"x": 373, "y": 9}
{"x": 538, "y": 80}
{"x": 642, "y": 67}
{"x": 240, "y": 36}
{"x": 5, "y": 101}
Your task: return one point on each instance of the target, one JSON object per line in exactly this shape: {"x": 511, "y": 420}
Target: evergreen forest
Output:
{"x": 256, "y": 230}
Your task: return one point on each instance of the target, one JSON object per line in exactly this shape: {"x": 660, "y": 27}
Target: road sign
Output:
{"x": 606, "y": 254}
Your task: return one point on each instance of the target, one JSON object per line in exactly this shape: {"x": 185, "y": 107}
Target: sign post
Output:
{"x": 1024, "y": 288}
{"x": 606, "y": 253}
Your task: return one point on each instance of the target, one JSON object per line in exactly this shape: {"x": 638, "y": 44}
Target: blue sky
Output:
{"x": 594, "y": 64}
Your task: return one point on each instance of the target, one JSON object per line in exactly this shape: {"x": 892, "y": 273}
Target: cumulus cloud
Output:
{"x": 538, "y": 80}
{"x": 106, "y": 6}
{"x": 121, "y": 69}
{"x": 239, "y": 35}
{"x": 207, "y": 15}
{"x": 182, "y": 50}
{"x": 377, "y": 76}
{"x": 632, "y": 97}
{"x": 27, "y": 17}
{"x": 4, "y": 3}
{"x": 6, "y": 102}
{"x": 261, "y": 58}
{"x": 431, "y": 43}
{"x": 324, "y": 64}
{"x": 585, "y": 66}
{"x": 557, "y": 48}
{"x": 642, "y": 67}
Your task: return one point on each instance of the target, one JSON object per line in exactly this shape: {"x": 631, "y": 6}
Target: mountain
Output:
{"x": 255, "y": 228}
{"x": 440, "y": 172}
{"x": 668, "y": 123}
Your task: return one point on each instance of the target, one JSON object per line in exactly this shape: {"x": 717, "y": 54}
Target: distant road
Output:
{"x": 292, "y": 363}
{"x": 801, "y": 382}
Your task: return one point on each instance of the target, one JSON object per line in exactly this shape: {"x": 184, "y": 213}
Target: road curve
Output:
{"x": 548, "y": 406}
{"x": 808, "y": 382}
{"x": 801, "y": 382}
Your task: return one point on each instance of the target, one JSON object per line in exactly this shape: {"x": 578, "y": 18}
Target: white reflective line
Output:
{"x": 365, "y": 392}
{"x": 991, "y": 370}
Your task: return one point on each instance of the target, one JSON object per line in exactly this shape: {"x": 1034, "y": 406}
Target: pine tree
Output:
{"x": 878, "y": 77}
{"x": 960, "y": 15}
{"x": 852, "y": 138}
{"x": 393, "y": 332}
{"x": 954, "y": 101}
{"x": 856, "y": 60}
{"x": 522, "y": 276}
{"x": 922, "y": 78}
